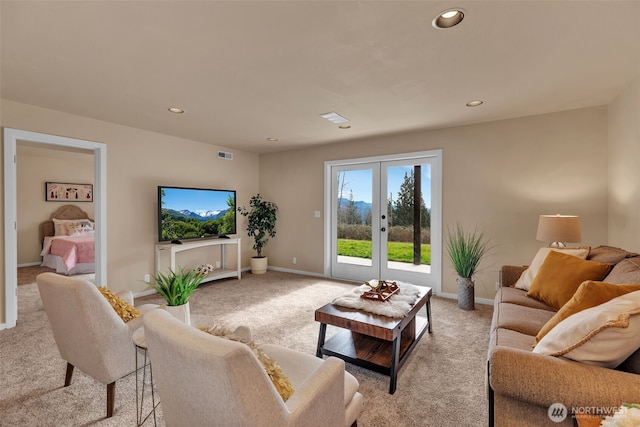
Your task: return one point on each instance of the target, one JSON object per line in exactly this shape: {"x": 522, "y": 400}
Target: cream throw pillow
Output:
{"x": 71, "y": 227}
{"x": 604, "y": 335}
{"x": 524, "y": 282}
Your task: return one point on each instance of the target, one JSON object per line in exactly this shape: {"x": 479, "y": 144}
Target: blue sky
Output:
{"x": 359, "y": 181}
{"x": 195, "y": 199}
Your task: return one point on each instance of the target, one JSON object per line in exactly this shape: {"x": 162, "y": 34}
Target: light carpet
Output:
{"x": 442, "y": 383}
{"x": 27, "y": 275}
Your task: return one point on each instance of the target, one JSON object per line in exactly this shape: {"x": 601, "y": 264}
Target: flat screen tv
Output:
{"x": 195, "y": 213}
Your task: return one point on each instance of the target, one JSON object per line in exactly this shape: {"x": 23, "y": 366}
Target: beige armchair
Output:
{"x": 205, "y": 380}
{"x": 88, "y": 332}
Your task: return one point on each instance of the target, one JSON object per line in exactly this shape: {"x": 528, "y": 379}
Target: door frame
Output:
{"x": 10, "y": 139}
{"x": 436, "y": 206}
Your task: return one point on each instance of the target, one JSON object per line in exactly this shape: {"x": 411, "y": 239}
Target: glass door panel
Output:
{"x": 407, "y": 199}
{"x": 355, "y": 211}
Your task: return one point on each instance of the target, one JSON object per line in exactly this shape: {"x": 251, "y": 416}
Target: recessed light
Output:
{"x": 448, "y": 18}
{"x": 344, "y": 126}
{"x": 176, "y": 110}
{"x": 474, "y": 103}
{"x": 272, "y": 139}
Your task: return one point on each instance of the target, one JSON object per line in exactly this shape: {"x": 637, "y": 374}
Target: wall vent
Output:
{"x": 225, "y": 155}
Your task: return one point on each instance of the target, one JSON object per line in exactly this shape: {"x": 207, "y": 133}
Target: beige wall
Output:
{"x": 624, "y": 170}
{"x": 499, "y": 176}
{"x": 35, "y": 166}
{"x": 138, "y": 161}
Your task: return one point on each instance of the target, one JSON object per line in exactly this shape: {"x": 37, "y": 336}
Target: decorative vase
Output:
{"x": 180, "y": 312}
{"x": 259, "y": 265}
{"x": 466, "y": 294}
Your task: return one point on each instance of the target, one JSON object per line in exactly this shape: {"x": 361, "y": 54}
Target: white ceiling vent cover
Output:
{"x": 225, "y": 155}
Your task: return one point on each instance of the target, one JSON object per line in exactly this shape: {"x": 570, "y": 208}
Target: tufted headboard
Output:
{"x": 64, "y": 212}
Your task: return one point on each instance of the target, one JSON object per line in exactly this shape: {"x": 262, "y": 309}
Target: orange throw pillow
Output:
{"x": 589, "y": 294}
{"x": 560, "y": 275}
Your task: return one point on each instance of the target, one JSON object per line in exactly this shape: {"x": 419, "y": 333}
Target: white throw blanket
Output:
{"x": 397, "y": 306}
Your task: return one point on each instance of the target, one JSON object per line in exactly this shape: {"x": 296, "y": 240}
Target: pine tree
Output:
{"x": 352, "y": 216}
{"x": 403, "y": 212}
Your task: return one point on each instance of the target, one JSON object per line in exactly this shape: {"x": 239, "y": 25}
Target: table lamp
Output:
{"x": 559, "y": 229}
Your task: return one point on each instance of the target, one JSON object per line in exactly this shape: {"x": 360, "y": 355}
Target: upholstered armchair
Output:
{"x": 88, "y": 332}
{"x": 206, "y": 380}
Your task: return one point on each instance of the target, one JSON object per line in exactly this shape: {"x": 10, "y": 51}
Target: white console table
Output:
{"x": 218, "y": 273}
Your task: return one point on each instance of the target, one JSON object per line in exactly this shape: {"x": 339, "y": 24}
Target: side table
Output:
{"x": 141, "y": 347}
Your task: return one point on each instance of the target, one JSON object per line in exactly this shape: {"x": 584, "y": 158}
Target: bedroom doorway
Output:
{"x": 11, "y": 138}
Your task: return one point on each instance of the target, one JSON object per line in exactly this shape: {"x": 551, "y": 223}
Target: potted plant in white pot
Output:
{"x": 176, "y": 287}
{"x": 261, "y": 225}
{"x": 466, "y": 250}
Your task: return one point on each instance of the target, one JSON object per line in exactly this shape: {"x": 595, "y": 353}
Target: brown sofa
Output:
{"x": 522, "y": 385}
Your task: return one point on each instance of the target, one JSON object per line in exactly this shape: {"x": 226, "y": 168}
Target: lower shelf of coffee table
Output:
{"x": 370, "y": 352}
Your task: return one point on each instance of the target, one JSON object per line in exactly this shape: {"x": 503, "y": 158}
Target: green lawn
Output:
{"x": 396, "y": 251}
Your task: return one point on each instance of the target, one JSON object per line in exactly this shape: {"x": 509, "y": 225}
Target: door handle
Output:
{"x": 383, "y": 229}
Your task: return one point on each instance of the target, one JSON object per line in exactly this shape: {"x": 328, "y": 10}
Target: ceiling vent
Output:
{"x": 334, "y": 117}
{"x": 225, "y": 155}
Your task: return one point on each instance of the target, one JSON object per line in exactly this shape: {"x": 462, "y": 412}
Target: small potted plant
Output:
{"x": 176, "y": 287}
{"x": 466, "y": 251}
{"x": 261, "y": 225}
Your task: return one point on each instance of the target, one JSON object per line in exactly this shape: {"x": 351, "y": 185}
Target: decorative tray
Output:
{"x": 382, "y": 292}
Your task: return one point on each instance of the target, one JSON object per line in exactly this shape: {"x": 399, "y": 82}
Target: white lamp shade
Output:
{"x": 559, "y": 228}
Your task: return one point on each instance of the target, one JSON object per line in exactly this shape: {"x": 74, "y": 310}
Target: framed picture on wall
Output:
{"x": 64, "y": 192}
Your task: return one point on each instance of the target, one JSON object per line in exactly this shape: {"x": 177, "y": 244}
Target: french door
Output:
{"x": 383, "y": 218}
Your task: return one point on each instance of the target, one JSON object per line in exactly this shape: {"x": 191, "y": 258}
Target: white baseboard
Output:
{"x": 29, "y": 264}
{"x": 145, "y": 293}
{"x": 153, "y": 291}
{"x": 477, "y": 300}
{"x": 288, "y": 270}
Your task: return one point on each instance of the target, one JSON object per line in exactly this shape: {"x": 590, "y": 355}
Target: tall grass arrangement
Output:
{"x": 177, "y": 287}
{"x": 466, "y": 250}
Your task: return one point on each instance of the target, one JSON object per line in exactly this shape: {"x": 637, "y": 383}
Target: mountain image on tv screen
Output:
{"x": 193, "y": 213}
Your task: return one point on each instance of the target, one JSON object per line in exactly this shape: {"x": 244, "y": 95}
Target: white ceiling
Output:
{"x": 247, "y": 70}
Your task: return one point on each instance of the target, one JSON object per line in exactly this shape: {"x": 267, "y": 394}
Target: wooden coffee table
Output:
{"x": 378, "y": 343}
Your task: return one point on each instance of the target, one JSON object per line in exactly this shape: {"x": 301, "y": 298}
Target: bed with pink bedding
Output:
{"x": 68, "y": 243}
{"x": 74, "y": 252}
